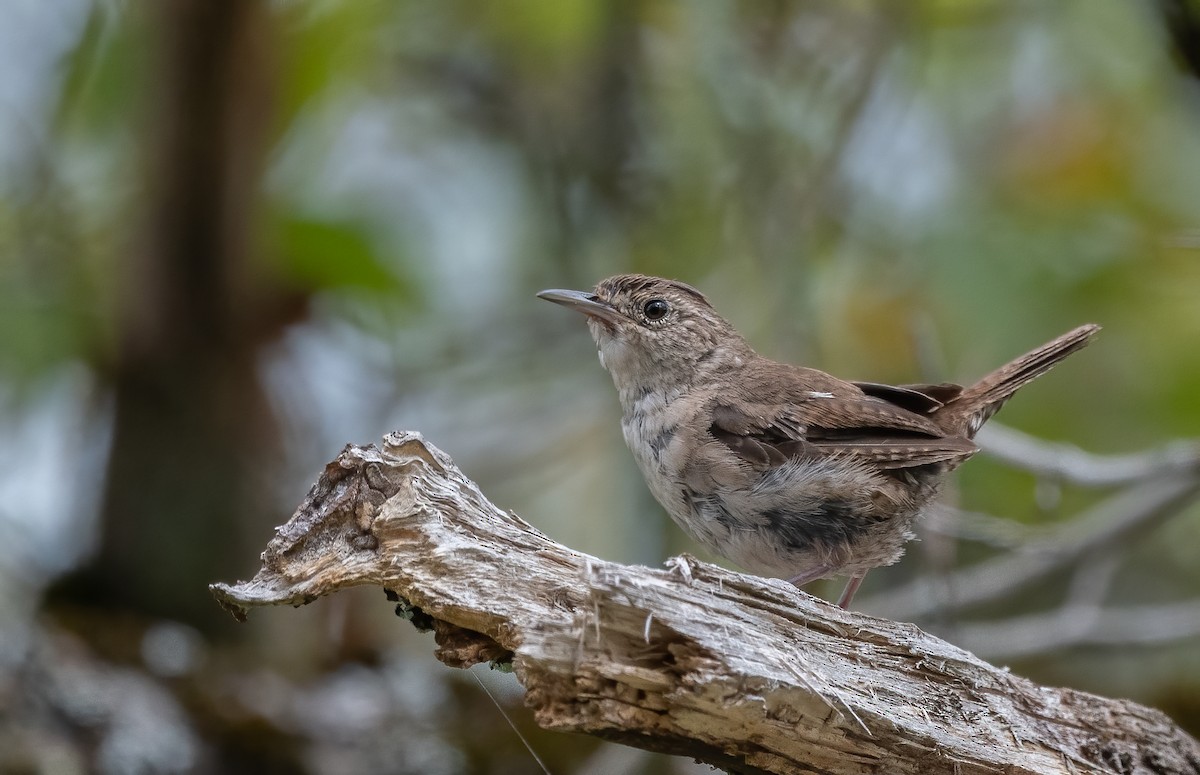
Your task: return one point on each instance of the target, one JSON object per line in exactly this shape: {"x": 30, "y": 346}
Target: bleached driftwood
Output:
{"x": 748, "y": 674}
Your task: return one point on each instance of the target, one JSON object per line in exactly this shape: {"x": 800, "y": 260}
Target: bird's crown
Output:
{"x": 653, "y": 302}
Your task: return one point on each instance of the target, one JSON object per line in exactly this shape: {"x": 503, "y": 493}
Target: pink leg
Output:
{"x": 819, "y": 572}
{"x": 851, "y": 587}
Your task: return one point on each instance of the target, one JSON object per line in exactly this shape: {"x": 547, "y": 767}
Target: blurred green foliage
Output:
{"x": 889, "y": 191}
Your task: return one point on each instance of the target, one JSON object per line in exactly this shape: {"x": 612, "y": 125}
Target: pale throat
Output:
{"x": 643, "y": 383}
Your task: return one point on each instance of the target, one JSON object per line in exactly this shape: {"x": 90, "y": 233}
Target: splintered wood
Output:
{"x": 745, "y": 673}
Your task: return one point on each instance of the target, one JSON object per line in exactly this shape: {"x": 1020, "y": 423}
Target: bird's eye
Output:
{"x": 656, "y": 309}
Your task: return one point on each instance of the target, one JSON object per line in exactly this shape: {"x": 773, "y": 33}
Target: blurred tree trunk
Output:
{"x": 190, "y": 412}
{"x": 1181, "y": 20}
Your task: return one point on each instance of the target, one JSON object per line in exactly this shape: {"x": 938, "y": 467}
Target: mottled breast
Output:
{"x": 654, "y": 424}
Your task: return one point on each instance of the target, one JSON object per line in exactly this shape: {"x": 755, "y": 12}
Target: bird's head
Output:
{"x": 653, "y": 332}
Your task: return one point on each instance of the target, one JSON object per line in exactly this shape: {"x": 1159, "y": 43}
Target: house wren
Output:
{"x": 787, "y": 471}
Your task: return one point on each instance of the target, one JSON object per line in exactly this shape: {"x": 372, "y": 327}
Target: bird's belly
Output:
{"x": 804, "y": 515}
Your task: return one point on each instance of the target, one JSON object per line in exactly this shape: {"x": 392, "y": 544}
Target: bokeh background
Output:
{"x": 236, "y": 235}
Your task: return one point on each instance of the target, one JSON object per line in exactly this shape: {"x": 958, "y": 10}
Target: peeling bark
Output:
{"x": 745, "y": 673}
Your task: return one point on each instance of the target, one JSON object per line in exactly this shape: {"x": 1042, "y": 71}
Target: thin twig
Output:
{"x": 511, "y": 723}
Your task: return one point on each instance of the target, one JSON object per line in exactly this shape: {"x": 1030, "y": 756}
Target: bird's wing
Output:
{"x": 782, "y": 421}
{"x": 922, "y": 399}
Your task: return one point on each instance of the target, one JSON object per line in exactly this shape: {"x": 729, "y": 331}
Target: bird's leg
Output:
{"x": 823, "y": 570}
{"x": 812, "y": 574}
{"x": 851, "y": 587}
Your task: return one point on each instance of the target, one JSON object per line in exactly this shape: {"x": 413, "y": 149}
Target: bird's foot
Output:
{"x": 820, "y": 572}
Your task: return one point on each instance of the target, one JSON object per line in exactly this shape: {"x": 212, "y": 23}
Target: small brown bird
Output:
{"x": 787, "y": 471}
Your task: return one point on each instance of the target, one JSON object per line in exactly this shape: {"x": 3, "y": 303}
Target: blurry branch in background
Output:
{"x": 1056, "y": 461}
{"x": 1081, "y": 624}
{"x": 740, "y": 672}
{"x": 1157, "y": 485}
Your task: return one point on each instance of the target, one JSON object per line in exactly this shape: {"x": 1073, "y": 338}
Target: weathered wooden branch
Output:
{"x": 745, "y": 673}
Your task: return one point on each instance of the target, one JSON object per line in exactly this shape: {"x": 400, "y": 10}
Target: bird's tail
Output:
{"x": 972, "y": 408}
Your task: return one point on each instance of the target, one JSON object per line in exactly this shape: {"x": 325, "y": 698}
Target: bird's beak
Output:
{"x": 584, "y": 302}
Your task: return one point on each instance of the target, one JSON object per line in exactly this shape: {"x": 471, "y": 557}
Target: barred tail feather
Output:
{"x": 972, "y": 408}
